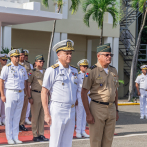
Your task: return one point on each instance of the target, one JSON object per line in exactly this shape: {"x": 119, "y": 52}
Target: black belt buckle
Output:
{"x": 36, "y": 91}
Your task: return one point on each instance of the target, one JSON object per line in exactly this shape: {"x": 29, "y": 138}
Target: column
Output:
{"x": 53, "y": 54}
{"x": 0, "y": 37}
{"x": 6, "y": 37}
{"x": 63, "y": 36}
{"x": 65, "y": 9}
{"x": 115, "y": 58}
{"x": 89, "y": 51}
{"x": 109, "y": 40}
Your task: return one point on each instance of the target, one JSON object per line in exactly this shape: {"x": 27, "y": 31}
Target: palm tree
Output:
{"x": 142, "y": 8}
{"x": 97, "y": 9}
{"x": 59, "y": 3}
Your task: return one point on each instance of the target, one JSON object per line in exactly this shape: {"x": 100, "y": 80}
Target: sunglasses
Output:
{"x": 85, "y": 66}
{"x": 16, "y": 56}
{"x": 4, "y": 59}
{"x": 106, "y": 55}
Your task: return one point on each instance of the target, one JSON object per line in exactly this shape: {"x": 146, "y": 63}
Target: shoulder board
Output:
{"x": 20, "y": 64}
{"x": 55, "y": 66}
{"x": 74, "y": 66}
{"x": 8, "y": 64}
{"x": 92, "y": 67}
{"x": 27, "y": 61}
{"x": 139, "y": 75}
{"x": 34, "y": 69}
{"x": 79, "y": 72}
{"x": 111, "y": 66}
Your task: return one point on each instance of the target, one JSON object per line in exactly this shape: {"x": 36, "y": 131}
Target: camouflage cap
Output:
{"x": 21, "y": 50}
{"x": 39, "y": 57}
{"x": 104, "y": 48}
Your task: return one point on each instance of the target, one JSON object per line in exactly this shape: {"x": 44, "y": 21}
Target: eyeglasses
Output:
{"x": 4, "y": 59}
{"x": 106, "y": 55}
{"x": 85, "y": 66}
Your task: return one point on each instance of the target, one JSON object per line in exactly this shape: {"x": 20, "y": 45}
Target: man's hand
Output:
{"x": 76, "y": 103}
{"x": 3, "y": 98}
{"x": 139, "y": 94}
{"x": 117, "y": 116}
{"x": 48, "y": 119}
{"x": 31, "y": 101}
{"x": 90, "y": 119}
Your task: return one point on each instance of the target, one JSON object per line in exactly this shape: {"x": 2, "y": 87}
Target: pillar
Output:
{"x": 89, "y": 51}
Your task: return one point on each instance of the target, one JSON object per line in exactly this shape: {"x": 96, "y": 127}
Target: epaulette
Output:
{"x": 79, "y": 72}
{"x": 92, "y": 67}
{"x": 20, "y": 64}
{"x": 8, "y": 64}
{"x": 111, "y": 66}
{"x": 139, "y": 75}
{"x": 74, "y": 66}
{"x": 34, "y": 69}
{"x": 27, "y": 61}
{"x": 55, "y": 66}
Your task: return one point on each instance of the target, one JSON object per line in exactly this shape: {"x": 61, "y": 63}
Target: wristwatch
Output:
{"x": 117, "y": 110}
{"x": 30, "y": 98}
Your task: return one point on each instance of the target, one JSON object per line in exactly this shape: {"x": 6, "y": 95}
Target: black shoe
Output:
{"x": 42, "y": 138}
{"x": 23, "y": 128}
{"x": 36, "y": 139}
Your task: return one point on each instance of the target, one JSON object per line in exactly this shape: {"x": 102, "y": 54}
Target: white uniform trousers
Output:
{"x": 81, "y": 119}
{"x": 13, "y": 108}
{"x": 63, "y": 123}
{"x": 143, "y": 103}
{"x": 28, "y": 111}
{"x": 2, "y": 110}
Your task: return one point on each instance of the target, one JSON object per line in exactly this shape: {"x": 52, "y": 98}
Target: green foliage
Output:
{"x": 97, "y": 8}
{"x": 73, "y": 8}
{"x": 121, "y": 82}
{"x": 140, "y": 4}
{"x": 5, "y": 51}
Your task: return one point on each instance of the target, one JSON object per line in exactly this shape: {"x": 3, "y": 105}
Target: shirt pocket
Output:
{"x": 62, "y": 81}
{"x": 100, "y": 83}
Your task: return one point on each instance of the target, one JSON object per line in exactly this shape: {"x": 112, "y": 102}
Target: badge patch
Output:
{"x": 101, "y": 84}
{"x": 29, "y": 74}
{"x": 61, "y": 74}
{"x": 86, "y": 75}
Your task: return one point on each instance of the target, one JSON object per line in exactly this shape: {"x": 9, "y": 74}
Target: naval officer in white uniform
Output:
{"x": 141, "y": 86}
{"x": 62, "y": 83}
{"x": 14, "y": 79}
{"x": 80, "y": 111}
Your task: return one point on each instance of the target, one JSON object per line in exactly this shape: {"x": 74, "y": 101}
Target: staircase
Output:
{"x": 127, "y": 40}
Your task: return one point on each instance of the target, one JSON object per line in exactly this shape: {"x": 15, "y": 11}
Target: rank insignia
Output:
{"x": 29, "y": 74}
{"x": 75, "y": 83}
{"x": 86, "y": 75}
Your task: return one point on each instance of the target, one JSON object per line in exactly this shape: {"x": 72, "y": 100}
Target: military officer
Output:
{"x": 141, "y": 82}
{"x": 14, "y": 79}
{"x": 102, "y": 81}
{"x": 3, "y": 61}
{"x": 25, "y": 105}
{"x": 80, "y": 111}
{"x": 62, "y": 83}
{"x": 35, "y": 81}
{"x": 28, "y": 107}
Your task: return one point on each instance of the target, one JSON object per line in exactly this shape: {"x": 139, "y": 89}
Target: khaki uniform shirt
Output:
{"x": 36, "y": 79}
{"x": 26, "y": 65}
{"x": 102, "y": 86}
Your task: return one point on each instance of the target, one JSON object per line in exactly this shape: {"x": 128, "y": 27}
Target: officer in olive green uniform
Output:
{"x": 102, "y": 81}
{"x": 35, "y": 81}
{"x": 23, "y": 113}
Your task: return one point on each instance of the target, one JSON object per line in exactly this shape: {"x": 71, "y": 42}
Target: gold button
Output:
{"x": 63, "y": 84}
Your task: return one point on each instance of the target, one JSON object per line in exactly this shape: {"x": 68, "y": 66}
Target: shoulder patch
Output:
{"x": 92, "y": 67}
{"x": 74, "y": 66}
{"x": 34, "y": 69}
{"x": 8, "y": 64}
{"x": 27, "y": 61}
{"x": 55, "y": 66}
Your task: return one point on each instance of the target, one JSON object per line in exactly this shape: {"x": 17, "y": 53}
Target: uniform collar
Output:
{"x": 13, "y": 64}
{"x": 63, "y": 68}
{"x": 101, "y": 68}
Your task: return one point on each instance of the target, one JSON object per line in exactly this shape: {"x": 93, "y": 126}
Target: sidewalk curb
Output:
{"x": 125, "y": 104}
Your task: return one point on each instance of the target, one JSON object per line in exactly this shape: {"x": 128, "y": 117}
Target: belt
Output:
{"x": 63, "y": 104}
{"x": 36, "y": 91}
{"x": 15, "y": 90}
{"x": 104, "y": 103}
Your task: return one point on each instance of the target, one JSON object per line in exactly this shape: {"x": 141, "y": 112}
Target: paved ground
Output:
{"x": 131, "y": 131}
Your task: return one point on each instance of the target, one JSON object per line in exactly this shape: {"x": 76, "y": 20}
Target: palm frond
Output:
{"x": 45, "y": 3}
{"x": 74, "y": 6}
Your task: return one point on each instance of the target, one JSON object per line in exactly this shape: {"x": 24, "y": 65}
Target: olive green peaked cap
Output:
{"x": 104, "y": 48}
{"x": 21, "y": 50}
{"x": 39, "y": 57}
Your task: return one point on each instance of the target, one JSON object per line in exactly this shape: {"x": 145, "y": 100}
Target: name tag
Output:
{"x": 61, "y": 74}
